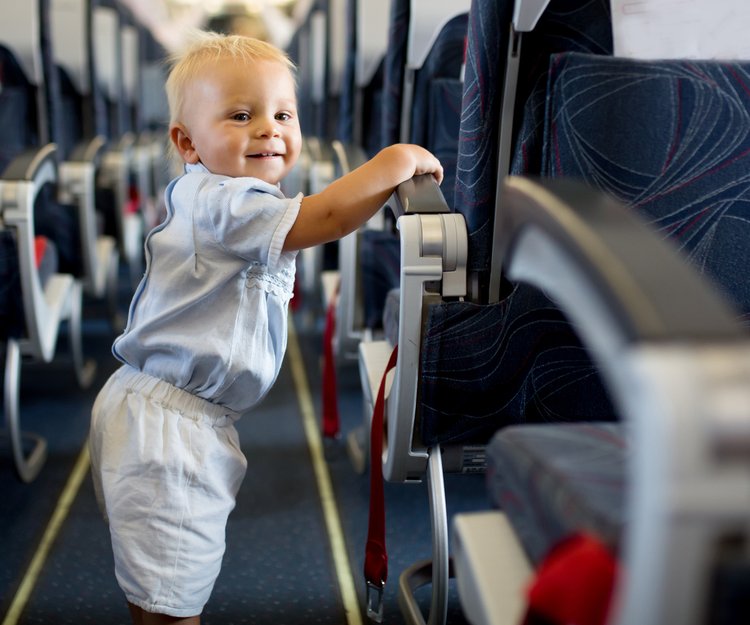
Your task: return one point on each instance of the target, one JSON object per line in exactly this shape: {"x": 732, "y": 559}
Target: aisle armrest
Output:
{"x": 43, "y": 307}
{"x": 77, "y": 186}
{"x": 434, "y": 248}
{"x": 349, "y": 307}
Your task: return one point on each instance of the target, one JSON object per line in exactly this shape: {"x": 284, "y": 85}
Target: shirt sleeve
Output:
{"x": 249, "y": 218}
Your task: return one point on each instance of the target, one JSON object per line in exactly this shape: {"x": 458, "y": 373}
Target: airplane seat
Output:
{"x": 369, "y": 258}
{"x": 81, "y": 149}
{"x": 411, "y": 112}
{"x": 487, "y": 303}
{"x": 441, "y": 404}
{"x": 684, "y": 173}
{"x": 612, "y": 522}
{"x": 669, "y": 139}
{"x": 37, "y": 298}
{"x": 122, "y": 216}
{"x": 55, "y": 221}
{"x": 514, "y": 315}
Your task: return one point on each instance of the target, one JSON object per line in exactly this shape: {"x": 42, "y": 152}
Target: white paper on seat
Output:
{"x": 679, "y": 29}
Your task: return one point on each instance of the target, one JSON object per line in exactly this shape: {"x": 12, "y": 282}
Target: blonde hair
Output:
{"x": 205, "y": 47}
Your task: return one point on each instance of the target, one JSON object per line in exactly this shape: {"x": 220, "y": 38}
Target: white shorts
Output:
{"x": 167, "y": 467}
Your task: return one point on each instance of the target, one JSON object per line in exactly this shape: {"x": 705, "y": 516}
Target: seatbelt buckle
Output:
{"x": 375, "y": 601}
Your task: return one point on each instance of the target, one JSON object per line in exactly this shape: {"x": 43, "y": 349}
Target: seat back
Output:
{"x": 478, "y": 371}
{"x": 493, "y": 102}
{"x": 394, "y": 65}
{"x": 436, "y": 106}
{"x": 106, "y": 68}
{"x": 23, "y": 114}
{"x": 669, "y": 138}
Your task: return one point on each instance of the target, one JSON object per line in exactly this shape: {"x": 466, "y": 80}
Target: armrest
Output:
{"x": 36, "y": 165}
{"x": 89, "y": 151}
{"x": 678, "y": 369}
{"x": 43, "y": 308}
{"x": 434, "y": 250}
{"x": 420, "y": 194}
{"x": 77, "y": 186}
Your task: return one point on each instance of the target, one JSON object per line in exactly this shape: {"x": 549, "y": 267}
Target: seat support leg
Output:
{"x": 85, "y": 369}
{"x": 27, "y": 466}
{"x": 438, "y": 570}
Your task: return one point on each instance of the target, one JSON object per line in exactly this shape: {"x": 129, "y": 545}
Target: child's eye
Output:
{"x": 283, "y": 117}
{"x": 241, "y": 117}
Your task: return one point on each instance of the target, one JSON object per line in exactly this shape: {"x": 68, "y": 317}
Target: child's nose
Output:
{"x": 266, "y": 127}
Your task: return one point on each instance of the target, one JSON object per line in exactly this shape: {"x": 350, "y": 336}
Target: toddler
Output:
{"x": 207, "y": 327}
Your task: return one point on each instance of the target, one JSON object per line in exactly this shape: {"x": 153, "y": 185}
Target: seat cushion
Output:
{"x": 558, "y": 479}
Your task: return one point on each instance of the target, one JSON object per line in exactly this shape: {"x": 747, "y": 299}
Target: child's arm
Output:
{"x": 350, "y": 201}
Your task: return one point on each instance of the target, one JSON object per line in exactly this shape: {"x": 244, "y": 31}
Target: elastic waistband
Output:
{"x": 173, "y": 398}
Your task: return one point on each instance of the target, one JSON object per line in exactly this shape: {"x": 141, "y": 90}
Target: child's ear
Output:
{"x": 184, "y": 144}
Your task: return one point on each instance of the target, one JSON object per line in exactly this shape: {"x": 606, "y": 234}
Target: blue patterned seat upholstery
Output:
{"x": 565, "y": 25}
{"x": 672, "y": 140}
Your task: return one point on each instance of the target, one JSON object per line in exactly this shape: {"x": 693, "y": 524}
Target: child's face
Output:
{"x": 240, "y": 119}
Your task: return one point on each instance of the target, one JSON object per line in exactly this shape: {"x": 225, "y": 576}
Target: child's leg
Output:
{"x": 136, "y": 614}
{"x": 141, "y": 617}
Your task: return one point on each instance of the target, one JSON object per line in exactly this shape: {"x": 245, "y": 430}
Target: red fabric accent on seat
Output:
{"x": 574, "y": 584}
{"x": 40, "y": 248}
{"x": 330, "y": 418}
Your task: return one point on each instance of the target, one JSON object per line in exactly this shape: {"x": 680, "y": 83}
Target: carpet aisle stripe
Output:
{"x": 323, "y": 478}
{"x": 80, "y": 470}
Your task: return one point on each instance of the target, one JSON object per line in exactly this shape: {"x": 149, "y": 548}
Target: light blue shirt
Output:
{"x": 210, "y": 314}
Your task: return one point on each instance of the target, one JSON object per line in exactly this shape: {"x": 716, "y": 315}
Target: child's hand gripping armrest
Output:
{"x": 352, "y": 199}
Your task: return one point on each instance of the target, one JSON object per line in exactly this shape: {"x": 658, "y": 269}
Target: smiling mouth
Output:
{"x": 264, "y": 155}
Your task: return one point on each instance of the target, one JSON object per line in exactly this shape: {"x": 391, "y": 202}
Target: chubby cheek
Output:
{"x": 295, "y": 148}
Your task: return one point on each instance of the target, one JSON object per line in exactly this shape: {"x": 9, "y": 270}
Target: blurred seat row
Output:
{"x": 81, "y": 167}
{"x": 567, "y": 313}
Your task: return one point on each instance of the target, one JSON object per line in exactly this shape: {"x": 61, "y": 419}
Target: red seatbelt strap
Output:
{"x": 573, "y": 584}
{"x": 376, "y": 556}
{"x": 330, "y": 418}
